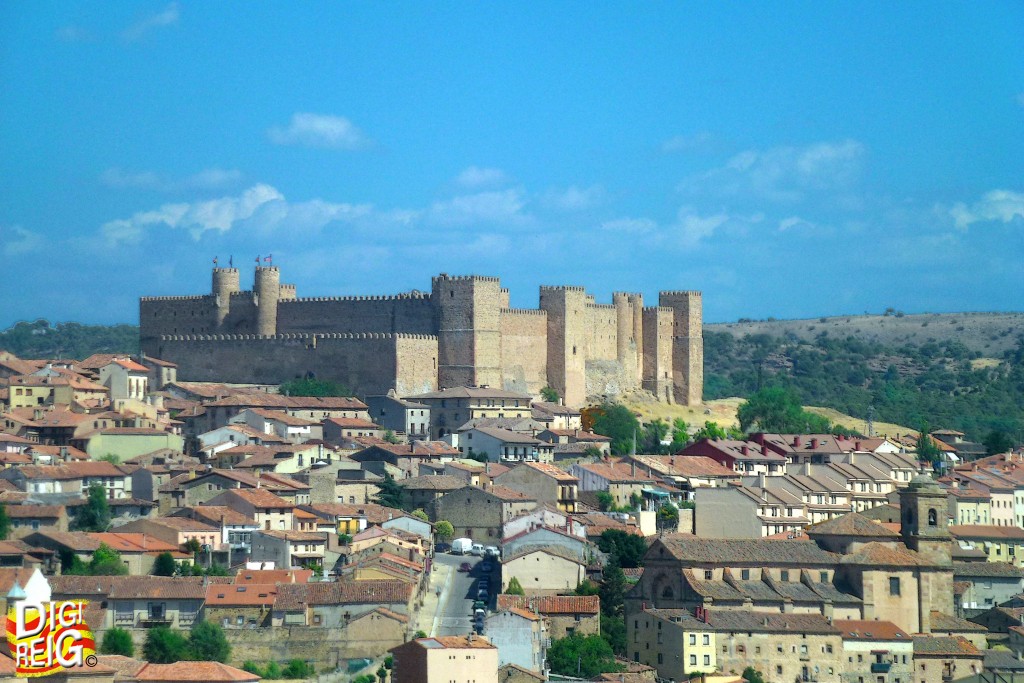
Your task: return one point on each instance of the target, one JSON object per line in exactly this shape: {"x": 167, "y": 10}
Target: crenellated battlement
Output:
{"x": 226, "y": 270}
{"x": 198, "y": 297}
{"x": 524, "y": 311}
{"x": 241, "y": 293}
{"x": 659, "y": 309}
{"x": 563, "y": 288}
{"x": 293, "y": 337}
{"x": 607, "y": 307}
{"x": 625, "y": 295}
{"x": 268, "y": 269}
{"x": 444, "y": 277}
{"x": 680, "y": 292}
{"x": 405, "y": 296}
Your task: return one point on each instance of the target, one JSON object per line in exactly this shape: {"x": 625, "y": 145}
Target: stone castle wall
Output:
{"x": 461, "y": 333}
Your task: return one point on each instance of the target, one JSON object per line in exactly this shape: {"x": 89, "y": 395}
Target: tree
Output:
{"x": 111, "y": 458}
{"x": 777, "y": 409}
{"x": 164, "y": 565}
{"x": 192, "y": 545}
{"x": 752, "y": 675}
{"x": 444, "y": 530}
{"x": 581, "y": 656}
{"x": 390, "y": 493}
{"x": 106, "y": 562}
{"x": 420, "y": 514}
{"x": 549, "y": 395}
{"x": 680, "y": 435}
{"x": 382, "y": 674}
{"x": 95, "y": 514}
{"x": 5, "y": 523}
{"x": 996, "y": 441}
{"x": 514, "y": 587}
{"x": 207, "y": 643}
{"x": 710, "y": 431}
{"x": 344, "y": 539}
{"x": 312, "y": 387}
{"x": 252, "y": 667}
{"x": 628, "y": 548}
{"x": 618, "y": 422}
{"x": 588, "y": 587}
{"x": 389, "y": 436}
{"x": 668, "y": 517}
{"x": 164, "y": 646}
{"x": 273, "y": 671}
{"x": 654, "y": 433}
{"x": 217, "y": 570}
{"x": 927, "y": 449}
{"x": 297, "y": 668}
{"x": 613, "y": 630}
{"x": 419, "y": 634}
{"x": 118, "y": 641}
{"x": 605, "y": 501}
{"x": 613, "y": 589}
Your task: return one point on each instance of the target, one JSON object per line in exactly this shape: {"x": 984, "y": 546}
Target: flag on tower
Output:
{"x": 231, "y": 261}
{"x": 214, "y": 261}
{"x": 268, "y": 258}
{"x": 257, "y": 260}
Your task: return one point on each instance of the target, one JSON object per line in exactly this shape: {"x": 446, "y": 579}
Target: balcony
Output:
{"x": 151, "y": 620}
{"x": 880, "y": 667}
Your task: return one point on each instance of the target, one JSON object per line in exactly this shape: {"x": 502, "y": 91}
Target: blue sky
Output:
{"x": 789, "y": 159}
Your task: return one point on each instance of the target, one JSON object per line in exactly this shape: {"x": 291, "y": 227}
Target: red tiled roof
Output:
{"x": 859, "y": 629}
{"x": 199, "y": 672}
{"x": 552, "y": 604}
{"x": 240, "y": 594}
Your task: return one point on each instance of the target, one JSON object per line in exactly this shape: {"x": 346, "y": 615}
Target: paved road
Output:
{"x": 458, "y": 594}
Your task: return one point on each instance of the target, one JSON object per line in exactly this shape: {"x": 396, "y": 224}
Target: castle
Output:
{"x": 463, "y": 333}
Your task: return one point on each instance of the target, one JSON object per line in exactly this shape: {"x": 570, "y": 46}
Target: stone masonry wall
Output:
{"x": 524, "y": 350}
{"x": 407, "y": 313}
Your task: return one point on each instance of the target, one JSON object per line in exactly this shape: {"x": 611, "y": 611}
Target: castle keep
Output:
{"x": 463, "y": 333}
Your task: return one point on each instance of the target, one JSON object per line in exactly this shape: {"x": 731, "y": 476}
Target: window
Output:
{"x": 933, "y": 517}
{"x": 778, "y": 669}
{"x": 828, "y": 649}
{"x": 745, "y": 574}
{"x": 693, "y": 638}
{"x": 708, "y": 574}
{"x": 707, "y": 660}
{"x": 784, "y": 575}
{"x": 693, "y": 660}
{"x": 824, "y": 577}
{"x": 240, "y": 620}
{"x": 707, "y": 640}
{"x": 894, "y": 585}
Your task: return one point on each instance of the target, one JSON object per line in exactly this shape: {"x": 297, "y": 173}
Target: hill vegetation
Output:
{"x": 42, "y": 339}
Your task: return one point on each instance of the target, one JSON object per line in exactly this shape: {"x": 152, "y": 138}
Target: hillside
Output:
{"x": 41, "y": 339}
{"x": 958, "y": 371}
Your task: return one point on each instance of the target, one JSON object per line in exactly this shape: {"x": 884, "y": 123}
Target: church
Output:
{"x": 846, "y": 568}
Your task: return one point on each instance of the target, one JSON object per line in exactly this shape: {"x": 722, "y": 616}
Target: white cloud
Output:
{"x": 475, "y": 177}
{"x": 72, "y": 34}
{"x": 168, "y": 16}
{"x": 502, "y": 206}
{"x": 260, "y": 208}
{"x": 207, "y": 179}
{"x": 633, "y": 226}
{"x": 575, "y": 198}
{"x": 996, "y": 206}
{"x": 783, "y": 174}
{"x": 17, "y": 241}
{"x": 319, "y": 130}
{"x": 794, "y": 222}
{"x": 685, "y": 143}
{"x": 691, "y": 228}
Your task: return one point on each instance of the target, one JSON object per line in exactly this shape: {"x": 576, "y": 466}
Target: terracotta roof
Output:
{"x": 130, "y": 365}
{"x": 264, "y": 576}
{"x": 880, "y": 555}
{"x": 552, "y": 604}
{"x": 859, "y": 629}
{"x": 293, "y": 596}
{"x": 261, "y": 498}
{"x": 617, "y": 472}
{"x": 172, "y": 588}
{"x": 947, "y": 623}
{"x": 82, "y": 541}
{"x": 683, "y": 465}
{"x": 751, "y": 552}
{"x": 124, "y": 668}
{"x": 991, "y": 532}
{"x": 434, "y": 482}
{"x": 265, "y": 400}
{"x": 72, "y": 470}
{"x": 296, "y": 536}
{"x": 472, "y": 392}
{"x": 11, "y": 575}
{"x": 550, "y": 470}
{"x": 737, "y": 621}
{"x": 240, "y": 594}
{"x": 221, "y": 514}
{"x": 282, "y": 417}
{"x": 851, "y": 524}
{"x": 374, "y": 514}
{"x": 509, "y": 495}
{"x": 456, "y": 642}
{"x": 980, "y": 569}
{"x": 352, "y": 423}
{"x": 946, "y": 646}
{"x": 36, "y": 511}
{"x": 200, "y": 672}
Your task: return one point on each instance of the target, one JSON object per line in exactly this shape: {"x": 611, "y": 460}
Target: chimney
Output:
{"x": 632, "y": 469}
{"x": 796, "y": 440}
{"x": 745, "y": 450}
{"x": 814, "y": 444}
{"x": 856, "y": 445}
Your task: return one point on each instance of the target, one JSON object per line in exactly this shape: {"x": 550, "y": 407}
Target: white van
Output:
{"x": 462, "y": 546}
{"x": 477, "y": 549}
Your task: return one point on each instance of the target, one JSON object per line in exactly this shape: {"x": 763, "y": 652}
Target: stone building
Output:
{"x": 462, "y": 333}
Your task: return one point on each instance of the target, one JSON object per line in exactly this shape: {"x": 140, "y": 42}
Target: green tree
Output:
{"x": 164, "y": 565}
{"x": 5, "y": 523}
{"x": 996, "y": 441}
{"x": 389, "y": 436}
{"x": 252, "y": 667}
{"x": 344, "y": 539}
{"x": 777, "y": 409}
{"x": 95, "y": 514}
{"x": 710, "y": 431}
{"x": 217, "y": 570}
{"x": 111, "y": 458}
{"x": 312, "y": 387}
{"x": 514, "y": 587}
{"x": 382, "y": 674}
{"x": 118, "y": 641}
{"x": 444, "y": 530}
{"x": 613, "y": 630}
{"x": 927, "y": 449}
{"x": 628, "y": 548}
{"x": 273, "y": 671}
{"x": 668, "y": 517}
{"x": 582, "y": 656}
{"x": 680, "y": 435}
{"x": 165, "y": 646}
{"x": 654, "y": 433}
{"x": 752, "y": 675}
{"x": 613, "y": 589}
{"x": 549, "y": 395}
{"x": 391, "y": 494}
{"x": 620, "y": 424}
{"x": 605, "y": 501}
{"x": 588, "y": 587}
{"x": 419, "y": 634}
{"x": 106, "y": 562}
{"x": 420, "y": 514}
{"x": 207, "y": 643}
{"x": 298, "y": 668}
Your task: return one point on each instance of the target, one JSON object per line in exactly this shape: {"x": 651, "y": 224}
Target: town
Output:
{"x": 233, "y": 532}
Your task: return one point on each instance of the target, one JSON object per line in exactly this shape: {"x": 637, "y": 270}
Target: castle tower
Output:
{"x": 225, "y": 283}
{"x": 623, "y": 327}
{"x": 468, "y": 313}
{"x": 687, "y": 345}
{"x": 566, "y": 308}
{"x": 268, "y": 292}
{"x": 657, "y": 353}
{"x": 637, "y": 303}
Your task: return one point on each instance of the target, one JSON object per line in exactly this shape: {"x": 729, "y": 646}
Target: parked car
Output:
{"x": 477, "y": 549}
{"x": 442, "y": 547}
{"x": 461, "y": 546}
{"x": 465, "y": 567}
{"x": 492, "y": 551}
